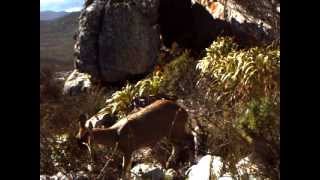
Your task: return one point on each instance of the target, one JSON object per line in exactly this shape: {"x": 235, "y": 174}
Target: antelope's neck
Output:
{"x": 106, "y": 137}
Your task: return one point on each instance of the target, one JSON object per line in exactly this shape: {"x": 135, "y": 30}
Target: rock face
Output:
{"x": 210, "y": 23}
{"x": 243, "y": 24}
{"x": 117, "y": 39}
{"x": 195, "y": 26}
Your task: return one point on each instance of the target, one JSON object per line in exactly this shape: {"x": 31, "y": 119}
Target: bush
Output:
{"x": 161, "y": 81}
{"x": 245, "y": 86}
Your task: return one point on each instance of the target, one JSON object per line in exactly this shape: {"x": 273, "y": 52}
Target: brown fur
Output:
{"x": 162, "y": 118}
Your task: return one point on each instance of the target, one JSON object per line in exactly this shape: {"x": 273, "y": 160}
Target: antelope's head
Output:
{"x": 84, "y": 132}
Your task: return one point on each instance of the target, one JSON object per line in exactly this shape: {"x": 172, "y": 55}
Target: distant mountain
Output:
{"x": 51, "y": 15}
{"x": 56, "y": 39}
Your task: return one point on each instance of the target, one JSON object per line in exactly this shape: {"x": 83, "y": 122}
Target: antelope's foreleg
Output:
{"x": 172, "y": 157}
{"x": 126, "y": 166}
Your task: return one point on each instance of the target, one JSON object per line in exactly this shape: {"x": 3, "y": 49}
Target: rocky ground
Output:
{"x": 207, "y": 168}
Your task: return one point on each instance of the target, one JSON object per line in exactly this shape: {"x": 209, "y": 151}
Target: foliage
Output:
{"x": 231, "y": 93}
{"x": 160, "y": 81}
{"x": 49, "y": 89}
{"x": 120, "y": 101}
{"x": 176, "y": 73}
{"x": 245, "y": 86}
{"x": 60, "y": 154}
{"x": 258, "y": 115}
{"x": 241, "y": 74}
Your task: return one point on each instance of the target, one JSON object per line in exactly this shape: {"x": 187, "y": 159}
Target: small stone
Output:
{"x": 76, "y": 83}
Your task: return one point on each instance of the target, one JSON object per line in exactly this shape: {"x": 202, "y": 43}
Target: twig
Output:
{"x": 101, "y": 174}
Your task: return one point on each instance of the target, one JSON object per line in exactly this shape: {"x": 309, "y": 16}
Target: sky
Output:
{"x": 61, "y": 5}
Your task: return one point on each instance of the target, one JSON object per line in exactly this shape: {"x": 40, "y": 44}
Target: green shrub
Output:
{"x": 156, "y": 83}
{"x": 245, "y": 86}
{"x": 242, "y": 74}
{"x": 119, "y": 102}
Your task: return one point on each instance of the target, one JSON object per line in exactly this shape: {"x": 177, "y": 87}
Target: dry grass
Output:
{"x": 58, "y": 124}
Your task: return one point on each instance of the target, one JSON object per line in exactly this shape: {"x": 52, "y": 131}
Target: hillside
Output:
{"x": 240, "y": 118}
{"x": 51, "y": 15}
{"x": 221, "y": 116}
{"x": 56, "y": 42}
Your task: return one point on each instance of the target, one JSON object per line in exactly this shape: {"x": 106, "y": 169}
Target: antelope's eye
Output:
{"x": 81, "y": 132}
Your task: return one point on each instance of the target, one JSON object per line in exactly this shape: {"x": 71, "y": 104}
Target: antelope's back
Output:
{"x": 155, "y": 121}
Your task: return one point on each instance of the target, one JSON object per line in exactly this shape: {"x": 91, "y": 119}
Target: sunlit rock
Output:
{"x": 76, "y": 83}
{"x": 147, "y": 171}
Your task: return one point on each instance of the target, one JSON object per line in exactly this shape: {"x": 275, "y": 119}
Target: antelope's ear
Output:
{"x": 90, "y": 126}
{"x": 82, "y": 120}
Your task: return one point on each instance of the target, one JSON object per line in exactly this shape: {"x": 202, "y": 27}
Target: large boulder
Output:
{"x": 86, "y": 46}
{"x": 117, "y": 40}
